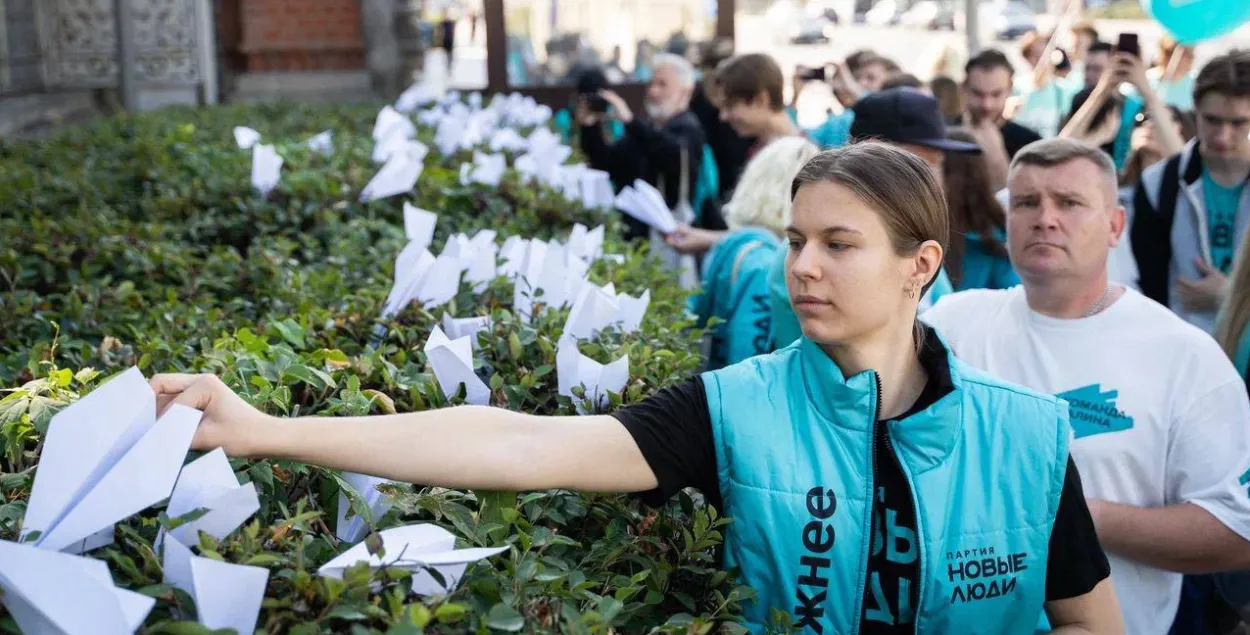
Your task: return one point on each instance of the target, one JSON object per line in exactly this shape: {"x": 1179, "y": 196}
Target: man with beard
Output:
{"x": 660, "y": 147}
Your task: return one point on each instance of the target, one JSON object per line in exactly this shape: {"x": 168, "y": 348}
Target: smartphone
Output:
{"x": 1128, "y": 44}
{"x": 597, "y": 103}
{"x": 817, "y": 74}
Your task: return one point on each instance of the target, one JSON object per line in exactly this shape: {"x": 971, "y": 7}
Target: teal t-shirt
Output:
{"x": 1221, "y": 203}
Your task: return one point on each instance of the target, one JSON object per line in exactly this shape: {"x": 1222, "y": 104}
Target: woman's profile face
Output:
{"x": 844, "y": 279}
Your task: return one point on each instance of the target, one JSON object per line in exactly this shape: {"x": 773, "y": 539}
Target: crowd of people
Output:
{"x": 982, "y": 361}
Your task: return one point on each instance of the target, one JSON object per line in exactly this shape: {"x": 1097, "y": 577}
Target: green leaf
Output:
{"x": 609, "y": 607}
{"x": 449, "y": 613}
{"x": 291, "y": 332}
{"x": 86, "y": 375}
{"x": 505, "y": 618}
{"x": 347, "y": 613}
{"x": 61, "y": 377}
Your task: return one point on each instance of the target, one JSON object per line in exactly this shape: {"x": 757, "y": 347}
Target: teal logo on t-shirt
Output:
{"x": 1092, "y": 411}
{"x": 1244, "y": 481}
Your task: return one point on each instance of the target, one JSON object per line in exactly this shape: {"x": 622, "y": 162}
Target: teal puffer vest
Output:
{"x": 986, "y": 465}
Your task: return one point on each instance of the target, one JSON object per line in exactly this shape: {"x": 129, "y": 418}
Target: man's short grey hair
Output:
{"x": 680, "y": 65}
{"x": 1049, "y": 153}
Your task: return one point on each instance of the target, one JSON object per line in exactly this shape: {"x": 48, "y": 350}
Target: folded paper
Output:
{"x": 226, "y": 595}
{"x": 398, "y": 176}
{"x": 323, "y": 143}
{"x": 354, "y": 529}
{"x": 441, "y": 283}
{"x": 643, "y": 202}
{"x": 57, "y": 593}
{"x": 597, "y": 308}
{"x": 596, "y": 189}
{"x": 456, "y": 328}
{"x": 586, "y": 244}
{"x": 245, "y": 137}
{"x": 411, "y": 267}
{"x": 105, "y": 458}
{"x": 419, "y": 225}
{"x": 209, "y": 483}
{"x": 415, "y": 548}
{"x": 575, "y": 369}
{"x": 507, "y": 139}
{"x": 266, "y": 168}
{"x": 452, "y": 364}
{"x": 395, "y": 145}
{"x": 391, "y": 122}
{"x": 416, "y": 96}
{"x": 486, "y": 168}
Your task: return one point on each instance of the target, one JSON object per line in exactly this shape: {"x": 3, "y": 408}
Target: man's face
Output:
{"x": 871, "y": 76}
{"x": 1095, "y": 65}
{"x": 665, "y": 95}
{"x": 1062, "y": 221}
{"x": 1224, "y": 126}
{"x": 747, "y": 118}
{"x": 986, "y": 92}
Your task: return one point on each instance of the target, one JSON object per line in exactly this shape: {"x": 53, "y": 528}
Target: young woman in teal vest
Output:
{"x": 877, "y": 484}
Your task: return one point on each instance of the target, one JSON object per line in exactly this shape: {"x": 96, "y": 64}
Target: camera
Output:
{"x": 1127, "y": 43}
{"x": 816, "y": 74}
{"x": 597, "y": 103}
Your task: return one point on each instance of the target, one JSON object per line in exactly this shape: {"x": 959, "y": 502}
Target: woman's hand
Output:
{"x": 229, "y": 422}
{"x": 619, "y": 109}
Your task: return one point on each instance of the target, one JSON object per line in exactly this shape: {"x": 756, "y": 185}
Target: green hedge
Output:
{"x": 138, "y": 241}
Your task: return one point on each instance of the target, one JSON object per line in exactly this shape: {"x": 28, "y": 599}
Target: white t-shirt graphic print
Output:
{"x": 1159, "y": 414}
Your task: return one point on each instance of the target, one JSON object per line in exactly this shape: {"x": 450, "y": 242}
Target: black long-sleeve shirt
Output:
{"x": 651, "y": 153}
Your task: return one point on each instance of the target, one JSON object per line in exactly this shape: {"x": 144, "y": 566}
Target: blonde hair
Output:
{"x": 1235, "y": 314}
{"x": 762, "y": 196}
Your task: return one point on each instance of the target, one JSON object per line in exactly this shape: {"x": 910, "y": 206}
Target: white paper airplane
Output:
{"x": 266, "y": 168}
{"x": 642, "y": 201}
{"x": 226, "y": 595}
{"x": 323, "y": 143}
{"x": 209, "y": 483}
{"x": 415, "y": 548}
{"x": 390, "y": 122}
{"x": 452, "y": 364}
{"x": 51, "y": 593}
{"x": 354, "y": 529}
{"x": 419, "y": 225}
{"x": 398, "y": 176}
{"x": 245, "y": 137}
{"x": 106, "y": 457}
{"x": 456, "y": 328}
{"x": 575, "y": 369}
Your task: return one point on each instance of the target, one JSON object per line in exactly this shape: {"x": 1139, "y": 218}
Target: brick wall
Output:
{"x": 301, "y": 35}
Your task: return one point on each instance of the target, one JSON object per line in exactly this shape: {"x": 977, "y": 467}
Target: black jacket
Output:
{"x": 646, "y": 152}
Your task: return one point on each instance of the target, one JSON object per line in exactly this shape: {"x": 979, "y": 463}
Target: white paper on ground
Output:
{"x": 545, "y": 278}
{"x": 452, "y": 364}
{"x": 397, "y": 144}
{"x": 398, "y": 176}
{"x": 323, "y": 142}
{"x": 595, "y": 309}
{"x": 51, "y": 592}
{"x": 354, "y": 529}
{"x": 266, "y": 168}
{"x": 507, "y": 140}
{"x": 575, "y": 369}
{"x": 226, "y": 595}
{"x": 245, "y": 137}
{"x": 414, "y": 548}
{"x": 632, "y": 311}
{"x": 486, "y": 168}
{"x": 586, "y": 244}
{"x": 209, "y": 483}
{"x": 391, "y": 122}
{"x": 419, "y": 225}
{"x": 456, "y": 328}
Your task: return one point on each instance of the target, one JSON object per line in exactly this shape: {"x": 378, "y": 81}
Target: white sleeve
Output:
{"x": 1209, "y": 455}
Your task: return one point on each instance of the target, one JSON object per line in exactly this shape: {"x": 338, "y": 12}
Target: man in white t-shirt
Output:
{"x": 1161, "y": 418}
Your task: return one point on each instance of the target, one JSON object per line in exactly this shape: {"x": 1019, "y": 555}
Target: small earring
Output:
{"x": 911, "y": 293}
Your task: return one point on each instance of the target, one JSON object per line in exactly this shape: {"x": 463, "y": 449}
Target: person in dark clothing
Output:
{"x": 728, "y": 147}
{"x": 987, "y": 85}
{"x": 657, "y": 148}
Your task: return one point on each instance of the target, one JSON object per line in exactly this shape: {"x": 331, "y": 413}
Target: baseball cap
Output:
{"x": 905, "y": 115}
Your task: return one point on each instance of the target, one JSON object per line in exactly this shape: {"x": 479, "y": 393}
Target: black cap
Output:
{"x": 905, "y": 115}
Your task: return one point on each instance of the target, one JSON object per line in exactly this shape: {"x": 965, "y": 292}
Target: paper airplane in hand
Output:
{"x": 354, "y": 528}
{"x": 226, "y": 595}
{"x": 575, "y": 369}
{"x": 644, "y": 202}
{"x": 398, "y": 176}
{"x": 245, "y": 137}
{"x": 452, "y": 363}
{"x": 266, "y": 168}
{"x": 209, "y": 483}
{"x": 105, "y": 458}
{"x": 419, "y": 225}
{"x": 415, "y": 548}
{"x": 57, "y": 593}
{"x": 323, "y": 143}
